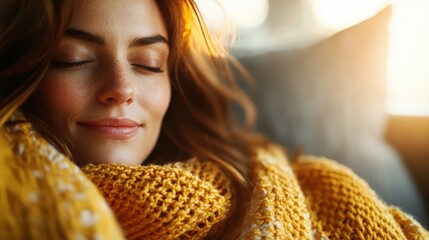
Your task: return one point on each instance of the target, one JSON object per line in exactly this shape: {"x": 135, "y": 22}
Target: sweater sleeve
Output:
{"x": 343, "y": 206}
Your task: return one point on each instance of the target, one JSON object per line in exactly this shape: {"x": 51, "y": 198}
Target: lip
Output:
{"x": 116, "y": 128}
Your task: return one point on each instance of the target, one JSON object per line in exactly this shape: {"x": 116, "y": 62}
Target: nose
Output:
{"x": 116, "y": 89}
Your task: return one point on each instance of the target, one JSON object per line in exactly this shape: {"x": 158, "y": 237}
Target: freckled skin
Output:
{"x": 110, "y": 82}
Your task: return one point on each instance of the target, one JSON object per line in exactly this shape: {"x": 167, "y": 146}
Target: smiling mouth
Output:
{"x": 113, "y": 127}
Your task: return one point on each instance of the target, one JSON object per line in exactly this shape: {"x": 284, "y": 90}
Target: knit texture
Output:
{"x": 343, "y": 206}
{"x": 277, "y": 206}
{"x": 179, "y": 201}
{"x": 316, "y": 198}
{"x": 45, "y": 196}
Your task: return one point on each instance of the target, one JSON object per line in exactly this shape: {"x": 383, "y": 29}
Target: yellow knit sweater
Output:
{"x": 45, "y": 196}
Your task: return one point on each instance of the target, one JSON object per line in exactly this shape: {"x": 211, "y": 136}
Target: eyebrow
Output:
{"x": 89, "y": 37}
{"x": 148, "y": 40}
{"x": 86, "y": 36}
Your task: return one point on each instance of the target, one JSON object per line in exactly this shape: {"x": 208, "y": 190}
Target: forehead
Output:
{"x": 137, "y": 17}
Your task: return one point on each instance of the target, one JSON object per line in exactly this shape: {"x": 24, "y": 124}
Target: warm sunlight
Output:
{"x": 409, "y": 58}
{"x": 340, "y": 14}
{"x": 247, "y": 13}
{"x": 408, "y": 64}
{"x": 244, "y": 13}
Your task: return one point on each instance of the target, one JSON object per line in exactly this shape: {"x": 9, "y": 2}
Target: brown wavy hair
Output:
{"x": 29, "y": 33}
{"x": 198, "y": 122}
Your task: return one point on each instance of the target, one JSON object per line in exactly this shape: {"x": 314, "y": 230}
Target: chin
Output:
{"x": 109, "y": 154}
{"x": 128, "y": 161}
{"x": 98, "y": 160}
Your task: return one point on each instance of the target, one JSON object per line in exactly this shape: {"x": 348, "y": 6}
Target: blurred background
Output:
{"x": 345, "y": 79}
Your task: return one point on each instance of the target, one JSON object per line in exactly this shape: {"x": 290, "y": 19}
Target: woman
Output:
{"x": 138, "y": 95}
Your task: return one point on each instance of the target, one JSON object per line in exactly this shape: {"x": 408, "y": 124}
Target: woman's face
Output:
{"x": 107, "y": 89}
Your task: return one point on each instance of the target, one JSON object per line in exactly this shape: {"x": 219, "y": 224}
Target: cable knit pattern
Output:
{"x": 43, "y": 195}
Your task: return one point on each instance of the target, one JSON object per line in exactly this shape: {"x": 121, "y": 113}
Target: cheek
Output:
{"x": 58, "y": 96}
{"x": 157, "y": 99}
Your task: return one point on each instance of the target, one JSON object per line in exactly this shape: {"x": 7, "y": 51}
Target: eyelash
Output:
{"x": 152, "y": 69}
{"x": 61, "y": 64}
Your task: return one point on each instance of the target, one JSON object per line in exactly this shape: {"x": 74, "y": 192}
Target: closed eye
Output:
{"x": 152, "y": 69}
{"x": 63, "y": 64}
